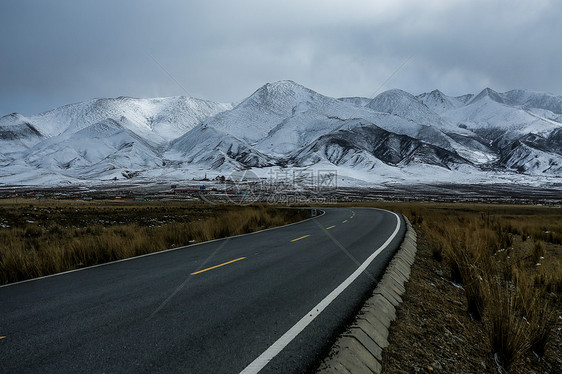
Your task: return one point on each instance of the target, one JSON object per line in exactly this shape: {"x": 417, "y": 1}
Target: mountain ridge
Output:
{"x": 515, "y": 134}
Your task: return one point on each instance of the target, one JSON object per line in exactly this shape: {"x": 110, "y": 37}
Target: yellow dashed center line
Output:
{"x": 327, "y": 228}
{"x": 2, "y": 337}
{"x": 302, "y": 237}
{"x": 217, "y": 266}
{"x": 344, "y": 221}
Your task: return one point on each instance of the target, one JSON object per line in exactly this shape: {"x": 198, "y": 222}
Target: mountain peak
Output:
{"x": 393, "y": 101}
{"x": 272, "y": 106}
{"x": 280, "y": 97}
{"x": 405, "y": 105}
{"x": 395, "y": 92}
{"x": 437, "y": 101}
{"x": 434, "y": 95}
{"x": 283, "y": 87}
{"x": 491, "y": 94}
{"x": 12, "y": 118}
{"x": 15, "y": 127}
{"x": 157, "y": 119}
{"x": 286, "y": 83}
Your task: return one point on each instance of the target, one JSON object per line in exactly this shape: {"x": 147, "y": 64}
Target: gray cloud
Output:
{"x": 59, "y": 52}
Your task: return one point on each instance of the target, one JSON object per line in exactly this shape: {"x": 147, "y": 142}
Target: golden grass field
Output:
{"x": 41, "y": 237}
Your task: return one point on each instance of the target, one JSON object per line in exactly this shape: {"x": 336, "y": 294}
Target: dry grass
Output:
{"x": 49, "y": 237}
{"x": 508, "y": 261}
{"x": 499, "y": 280}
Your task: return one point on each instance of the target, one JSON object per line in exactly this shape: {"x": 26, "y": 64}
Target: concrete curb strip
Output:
{"x": 359, "y": 350}
{"x": 381, "y": 305}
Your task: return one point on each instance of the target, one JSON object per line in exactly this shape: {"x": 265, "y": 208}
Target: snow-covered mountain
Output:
{"x": 405, "y": 138}
{"x": 215, "y": 150}
{"x": 107, "y": 144}
{"x": 405, "y": 105}
{"x": 17, "y": 134}
{"x": 356, "y": 100}
{"x": 366, "y": 146}
{"x": 159, "y": 120}
{"x": 440, "y": 103}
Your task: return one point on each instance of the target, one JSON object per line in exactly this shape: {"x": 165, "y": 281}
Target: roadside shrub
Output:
{"x": 33, "y": 232}
{"x": 550, "y": 276}
{"x": 506, "y": 328}
{"x": 537, "y": 252}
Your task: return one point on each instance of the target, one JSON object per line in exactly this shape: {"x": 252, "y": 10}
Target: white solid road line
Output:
{"x": 260, "y": 362}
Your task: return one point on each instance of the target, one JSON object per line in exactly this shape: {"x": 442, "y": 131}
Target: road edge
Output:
{"x": 359, "y": 349}
{"x": 162, "y": 251}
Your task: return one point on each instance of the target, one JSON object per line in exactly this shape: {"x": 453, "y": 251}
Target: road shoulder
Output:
{"x": 360, "y": 348}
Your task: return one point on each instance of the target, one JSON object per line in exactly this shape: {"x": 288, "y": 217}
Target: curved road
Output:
{"x": 270, "y": 301}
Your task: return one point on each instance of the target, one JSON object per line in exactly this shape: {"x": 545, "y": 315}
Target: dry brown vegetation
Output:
{"x": 507, "y": 260}
{"x": 40, "y": 237}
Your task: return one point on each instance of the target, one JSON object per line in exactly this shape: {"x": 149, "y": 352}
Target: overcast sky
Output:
{"x": 58, "y": 52}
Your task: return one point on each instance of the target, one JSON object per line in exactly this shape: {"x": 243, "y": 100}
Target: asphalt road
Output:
{"x": 215, "y": 307}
